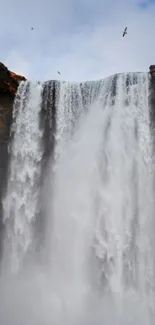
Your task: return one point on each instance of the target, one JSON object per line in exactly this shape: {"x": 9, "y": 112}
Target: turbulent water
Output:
{"x": 78, "y": 212}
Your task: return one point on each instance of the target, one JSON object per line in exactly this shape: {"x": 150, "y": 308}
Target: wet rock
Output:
{"x": 152, "y": 70}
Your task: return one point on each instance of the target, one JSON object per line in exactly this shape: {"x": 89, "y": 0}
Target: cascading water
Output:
{"x": 21, "y": 203}
{"x": 98, "y": 265}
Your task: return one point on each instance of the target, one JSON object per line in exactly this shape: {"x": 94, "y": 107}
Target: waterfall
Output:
{"x": 81, "y": 156}
{"x": 21, "y": 203}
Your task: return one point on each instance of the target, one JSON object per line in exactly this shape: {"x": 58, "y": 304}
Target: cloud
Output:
{"x": 82, "y": 39}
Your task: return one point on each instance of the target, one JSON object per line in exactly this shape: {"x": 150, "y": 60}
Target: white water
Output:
{"x": 100, "y": 224}
{"x": 21, "y": 203}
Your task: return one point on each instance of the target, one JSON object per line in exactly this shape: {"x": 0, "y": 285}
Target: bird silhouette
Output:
{"x": 125, "y": 31}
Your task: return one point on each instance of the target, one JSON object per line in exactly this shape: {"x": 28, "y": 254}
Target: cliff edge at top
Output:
{"x": 9, "y": 81}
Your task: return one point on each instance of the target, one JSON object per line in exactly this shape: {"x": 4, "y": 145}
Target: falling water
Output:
{"x": 99, "y": 265}
{"x": 21, "y": 203}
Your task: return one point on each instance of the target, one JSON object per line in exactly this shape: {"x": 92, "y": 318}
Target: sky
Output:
{"x": 80, "y": 38}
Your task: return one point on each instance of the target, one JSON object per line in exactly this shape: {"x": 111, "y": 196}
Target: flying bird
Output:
{"x": 125, "y": 32}
{"x": 58, "y": 72}
{"x": 31, "y": 28}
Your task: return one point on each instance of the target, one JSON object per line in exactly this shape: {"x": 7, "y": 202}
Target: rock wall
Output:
{"x": 9, "y": 82}
{"x": 152, "y": 94}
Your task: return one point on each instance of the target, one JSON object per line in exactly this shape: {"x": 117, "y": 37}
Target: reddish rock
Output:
{"x": 9, "y": 81}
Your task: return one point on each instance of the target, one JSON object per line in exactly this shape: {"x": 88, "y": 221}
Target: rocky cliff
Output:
{"x": 9, "y": 82}
{"x": 152, "y": 94}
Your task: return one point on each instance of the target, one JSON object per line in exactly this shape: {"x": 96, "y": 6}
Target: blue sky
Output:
{"x": 80, "y": 38}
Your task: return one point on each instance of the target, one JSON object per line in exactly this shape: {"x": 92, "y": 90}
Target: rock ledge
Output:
{"x": 9, "y": 81}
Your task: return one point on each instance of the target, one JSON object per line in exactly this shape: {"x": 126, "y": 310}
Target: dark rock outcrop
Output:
{"x": 152, "y": 70}
{"x": 152, "y": 94}
{"x": 9, "y": 82}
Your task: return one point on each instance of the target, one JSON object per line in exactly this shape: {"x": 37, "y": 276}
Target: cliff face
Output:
{"x": 152, "y": 94}
{"x": 9, "y": 82}
{"x": 152, "y": 71}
